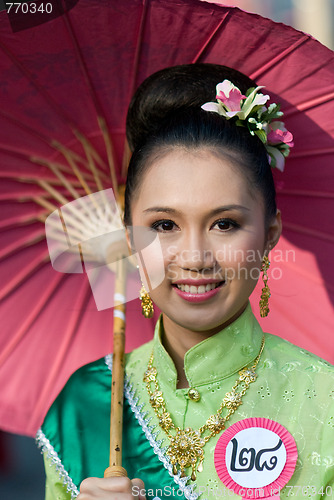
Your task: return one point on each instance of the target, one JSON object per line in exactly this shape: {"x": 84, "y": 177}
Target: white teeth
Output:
{"x": 197, "y": 289}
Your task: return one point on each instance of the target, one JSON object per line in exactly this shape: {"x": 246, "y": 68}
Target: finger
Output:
{"x": 92, "y": 485}
{"x": 138, "y": 489}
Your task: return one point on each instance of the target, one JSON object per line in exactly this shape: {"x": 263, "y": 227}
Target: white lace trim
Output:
{"x": 130, "y": 394}
{"x": 46, "y": 447}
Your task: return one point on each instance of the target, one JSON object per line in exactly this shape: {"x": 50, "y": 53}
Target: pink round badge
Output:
{"x": 255, "y": 458}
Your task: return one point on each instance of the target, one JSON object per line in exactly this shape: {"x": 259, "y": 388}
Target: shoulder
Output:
{"x": 87, "y": 388}
{"x": 287, "y": 357}
{"x": 293, "y": 370}
{"x": 90, "y": 380}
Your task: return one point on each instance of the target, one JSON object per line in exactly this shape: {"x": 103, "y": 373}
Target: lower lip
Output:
{"x": 198, "y": 297}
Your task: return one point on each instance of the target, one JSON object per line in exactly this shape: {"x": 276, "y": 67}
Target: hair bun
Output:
{"x": 172, "y": 89}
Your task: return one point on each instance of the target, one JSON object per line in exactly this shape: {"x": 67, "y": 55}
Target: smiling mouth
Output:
{"x": 195, "y": 290}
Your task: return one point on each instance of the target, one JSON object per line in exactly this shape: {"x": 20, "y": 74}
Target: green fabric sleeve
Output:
{"x": 54, "y": 488}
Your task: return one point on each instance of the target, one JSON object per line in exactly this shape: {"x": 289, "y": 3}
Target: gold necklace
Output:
{"x": 186, "y": 446}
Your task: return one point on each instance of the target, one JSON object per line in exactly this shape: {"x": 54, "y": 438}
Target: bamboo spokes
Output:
{"x": 53, "y": 143}
{"x": 45, "y": 204}
{"x": 86, "y": 144}
{"x": 91, "y": 222}
{"x": 77, "y": 173}
{"x": 96, "y": 173}
{"x": 126, "y": 158}
{"x": 66, "y": 183}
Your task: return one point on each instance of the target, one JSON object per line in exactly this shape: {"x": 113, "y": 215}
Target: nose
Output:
{"x": 194, "y": 252}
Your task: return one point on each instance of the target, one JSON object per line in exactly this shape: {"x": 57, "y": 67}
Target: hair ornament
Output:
{"x": 250, "y": 111}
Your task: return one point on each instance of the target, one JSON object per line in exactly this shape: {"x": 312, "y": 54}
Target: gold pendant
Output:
{"x": 185, "y": 450}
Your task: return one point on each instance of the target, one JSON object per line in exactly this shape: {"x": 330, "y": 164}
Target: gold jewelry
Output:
{"x": 264, "y": 307}
{"x": 146, "y": 303}
{"x": 186, "y": 446}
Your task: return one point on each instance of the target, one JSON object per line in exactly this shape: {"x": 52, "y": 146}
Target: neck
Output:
{"x": 177, "y": 340}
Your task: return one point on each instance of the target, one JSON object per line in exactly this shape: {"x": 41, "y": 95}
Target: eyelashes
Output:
{"x": 224, "y": 225}
{"x": 164, "y": 225}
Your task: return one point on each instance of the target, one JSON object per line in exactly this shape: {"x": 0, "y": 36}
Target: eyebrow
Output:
{"x": 213, "y": 212}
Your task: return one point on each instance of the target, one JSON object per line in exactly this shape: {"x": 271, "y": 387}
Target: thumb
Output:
{"x": 138, "y": 489}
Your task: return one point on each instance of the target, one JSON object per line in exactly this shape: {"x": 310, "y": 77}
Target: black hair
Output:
{"x": 167, "y": 90}
{"x": 166, "y": 113}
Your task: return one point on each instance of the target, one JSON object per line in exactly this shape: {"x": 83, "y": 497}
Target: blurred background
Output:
{"x": 21, "y": 466}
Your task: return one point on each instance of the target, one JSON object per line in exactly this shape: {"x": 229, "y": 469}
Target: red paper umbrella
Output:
{"x": 64, "y": 91}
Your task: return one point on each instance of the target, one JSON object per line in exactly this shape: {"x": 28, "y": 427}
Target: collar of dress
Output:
{"x": 215, "y": 358}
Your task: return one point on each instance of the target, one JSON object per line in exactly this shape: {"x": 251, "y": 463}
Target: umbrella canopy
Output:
{"x": 64, "y": 92}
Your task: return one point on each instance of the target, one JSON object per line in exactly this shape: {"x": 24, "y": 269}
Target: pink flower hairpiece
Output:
{"x": 250, "y": 111}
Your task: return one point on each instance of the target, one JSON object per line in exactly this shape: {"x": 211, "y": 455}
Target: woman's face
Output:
{"x": 210, "y": 223}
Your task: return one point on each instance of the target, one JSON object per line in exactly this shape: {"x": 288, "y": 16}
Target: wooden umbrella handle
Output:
{"x": 117, "y": 386}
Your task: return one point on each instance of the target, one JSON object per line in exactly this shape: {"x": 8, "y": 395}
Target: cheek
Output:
{"x": 242, "y": 257}
{"x": 150, "y": 257}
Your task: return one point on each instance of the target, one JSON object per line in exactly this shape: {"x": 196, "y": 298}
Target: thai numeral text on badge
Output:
{"x": 249, "y": 458}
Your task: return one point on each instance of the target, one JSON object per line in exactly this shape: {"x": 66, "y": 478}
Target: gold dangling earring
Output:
{"x": 264, "y": 307}
{"x": 146, "y": 303}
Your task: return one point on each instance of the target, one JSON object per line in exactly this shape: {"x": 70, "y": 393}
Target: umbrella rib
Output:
{"x": 98, "y": 108}
{"x": 45, "y": 203}
{"x": 21, "y": 276}
{"x": 258, "y": 73}
{"x": 49, "y": 99}
{"x": 309, "y": 104}
{"x": 52, "y": 103}
{"x": 22, "y": 221}
{"x": 71, "y": 225}
{"x": 74, "y": 231}
{"x": 140, "y": 33}
{"x": 91, "y": 165}
{"x": 77, "y": 213}
{"x": 302, "y": 271}
{"x": 67, "y": 151}
{"x": 208, "y": 41}
{"x": 22, "y": 242}
{"x": 312, "y": 152}
{"x": 29, "y": 319}
{"x": 57, "y": 146}
{"x": 66, "y": 183}
{"x": 304, "y": 192}
{"x": 133, "y": 80}
{"x": 309, "y": 232}
{"x": 41, "y": 161}
{"x": 72, "y": 326}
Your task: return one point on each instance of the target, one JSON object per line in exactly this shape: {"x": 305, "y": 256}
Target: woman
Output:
{"x": 202, "y": 184}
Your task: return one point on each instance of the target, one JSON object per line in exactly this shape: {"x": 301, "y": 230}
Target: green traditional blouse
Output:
{"x": 293, "y": 387}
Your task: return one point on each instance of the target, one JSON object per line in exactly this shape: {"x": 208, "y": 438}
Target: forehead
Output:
{"x": 194, "y": 179}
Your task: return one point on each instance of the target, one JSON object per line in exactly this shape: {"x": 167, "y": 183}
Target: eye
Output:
{"x": 164, "y": 226}
{"x": 225, "y": 225}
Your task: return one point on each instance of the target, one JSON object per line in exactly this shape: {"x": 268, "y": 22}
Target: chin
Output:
{"x": 201, "y": 321}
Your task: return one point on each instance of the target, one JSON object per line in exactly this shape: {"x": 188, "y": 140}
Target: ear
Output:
{"x": 274, "y": 232}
